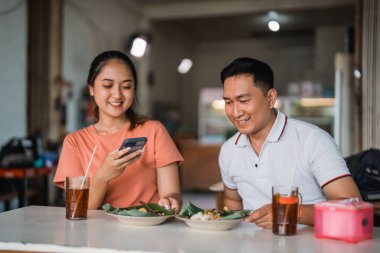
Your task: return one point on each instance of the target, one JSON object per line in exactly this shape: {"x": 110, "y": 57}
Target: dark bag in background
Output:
{"x": 17, "y": 152}
{"x": 365, "y": 170}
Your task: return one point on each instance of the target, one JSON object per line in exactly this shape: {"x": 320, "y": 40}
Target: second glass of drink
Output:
{"x": 286, "y": 209}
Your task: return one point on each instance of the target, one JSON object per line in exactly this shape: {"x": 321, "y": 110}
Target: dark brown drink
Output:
{"x": 76, "y": 203}
{"x": 285, "y": 214}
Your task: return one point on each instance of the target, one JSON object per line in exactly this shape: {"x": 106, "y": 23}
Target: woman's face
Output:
{"x": 113, "y": 89}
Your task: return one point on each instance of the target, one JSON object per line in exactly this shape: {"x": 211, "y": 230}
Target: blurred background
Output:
{"x": 324, "y": 55}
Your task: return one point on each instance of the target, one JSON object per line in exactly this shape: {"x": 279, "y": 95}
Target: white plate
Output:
{"x": 211, "y": 225}
{"x": 141, "y": 221}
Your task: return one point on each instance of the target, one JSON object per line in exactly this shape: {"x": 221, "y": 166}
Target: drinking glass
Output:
{"x": 77, "y": 194}
{"x": 286, "y": 209}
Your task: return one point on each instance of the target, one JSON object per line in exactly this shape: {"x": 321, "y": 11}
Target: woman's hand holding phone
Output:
{"x": 133, "y": 144}
{"x": 116, "y": 161}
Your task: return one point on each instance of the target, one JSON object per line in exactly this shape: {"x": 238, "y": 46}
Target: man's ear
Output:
{"x": 272, "y": 97}
{"x": 91, "y": 90}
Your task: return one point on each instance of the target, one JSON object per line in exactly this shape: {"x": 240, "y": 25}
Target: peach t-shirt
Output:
{"x": 139, "y": 180}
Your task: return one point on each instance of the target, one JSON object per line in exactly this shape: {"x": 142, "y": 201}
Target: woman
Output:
{"x": 150, "y": 175}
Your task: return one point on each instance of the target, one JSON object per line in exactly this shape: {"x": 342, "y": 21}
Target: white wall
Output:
{"x": 91, "y": 27}
{"x": 170, "y": 88}
{"x": 13, "y": 45}
{"x": 328, "y": 41}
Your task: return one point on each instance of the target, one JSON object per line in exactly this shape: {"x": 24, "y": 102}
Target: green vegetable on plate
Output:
{"x": 140, "y": 210}
{"x": 190, "y": 209}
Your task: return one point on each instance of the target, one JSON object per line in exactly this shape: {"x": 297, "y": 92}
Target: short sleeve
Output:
{"x": 326, "y": 162}
{"x": 224, "y": 158}
{"x": 69, "y": 163}
{"x": 165, "y": 151}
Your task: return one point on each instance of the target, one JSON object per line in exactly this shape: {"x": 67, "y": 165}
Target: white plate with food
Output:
{"x": 140, "y": 221}
{"x": 211, "y": 225}
{"x": 142, "y": 215}
{"x": 212, "y": 219}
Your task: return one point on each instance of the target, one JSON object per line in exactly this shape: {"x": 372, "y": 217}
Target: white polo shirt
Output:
{"x": 292, "y": 146}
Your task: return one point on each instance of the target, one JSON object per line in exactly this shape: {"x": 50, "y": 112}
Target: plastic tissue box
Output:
{"x": 349, "y": 220}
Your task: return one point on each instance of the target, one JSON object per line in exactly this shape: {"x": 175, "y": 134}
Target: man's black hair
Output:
{"x": 261, "y": 72}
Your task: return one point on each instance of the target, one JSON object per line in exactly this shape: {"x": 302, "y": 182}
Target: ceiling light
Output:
{"x": 138, "y": 47}
{"x": 185, "y": 66}
{"x": 274, "y": 26}
{"x": 357, "y": 73}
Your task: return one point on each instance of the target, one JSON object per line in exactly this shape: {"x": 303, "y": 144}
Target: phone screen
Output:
{"x": 134, "y": 144}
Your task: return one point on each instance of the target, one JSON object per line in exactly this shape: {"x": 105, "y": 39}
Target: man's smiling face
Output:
{"x": 248, "y": 108}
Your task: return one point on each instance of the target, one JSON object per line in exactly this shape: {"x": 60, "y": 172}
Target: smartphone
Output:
{"x": 134, "y": 144}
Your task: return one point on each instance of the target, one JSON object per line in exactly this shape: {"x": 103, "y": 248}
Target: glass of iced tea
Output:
{"x": 77, "y": 194}
{"x": 286, "y": 209}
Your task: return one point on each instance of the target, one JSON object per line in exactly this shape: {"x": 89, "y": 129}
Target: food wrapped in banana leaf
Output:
{"x": 143, "y": 210}
{"x": 193, "y": 212}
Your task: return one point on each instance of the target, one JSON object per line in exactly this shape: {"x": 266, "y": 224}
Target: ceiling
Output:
{"x": 213, "y": 20}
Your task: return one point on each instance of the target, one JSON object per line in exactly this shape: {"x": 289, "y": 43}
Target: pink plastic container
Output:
{"x": 348, "y": 220}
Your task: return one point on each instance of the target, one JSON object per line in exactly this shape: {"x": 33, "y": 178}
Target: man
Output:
{"x": 271, "y": 149}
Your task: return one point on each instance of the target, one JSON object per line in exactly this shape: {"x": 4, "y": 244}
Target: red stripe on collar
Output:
{"x": 237, "y": 139}
{"x": 283, "y": 128}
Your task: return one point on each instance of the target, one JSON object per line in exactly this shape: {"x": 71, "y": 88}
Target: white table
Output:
{"x": 47, "y": 225}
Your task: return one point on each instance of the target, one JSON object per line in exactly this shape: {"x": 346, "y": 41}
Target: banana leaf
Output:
{"x": 233, "y": 215}
{"x": 109, "y": 209}
{"x": 134, "y": 210}
{"x": 161, "y": 209}
{"x": 189, "y": 210}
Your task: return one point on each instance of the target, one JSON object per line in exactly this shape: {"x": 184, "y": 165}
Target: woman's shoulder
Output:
{"x": 152, "y": 128}
{"x": 80, "y": 133}
{"x": 151, "y": 124}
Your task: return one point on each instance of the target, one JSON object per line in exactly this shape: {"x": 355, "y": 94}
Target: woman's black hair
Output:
{"x": 96, "y": 67}
{"x": 261, "y": 72}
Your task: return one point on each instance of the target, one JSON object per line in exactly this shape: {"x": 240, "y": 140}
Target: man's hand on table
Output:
{"x": 262, "y": 217}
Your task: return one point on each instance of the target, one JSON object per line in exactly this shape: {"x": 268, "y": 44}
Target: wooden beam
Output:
{"x": 44, "y": 67}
